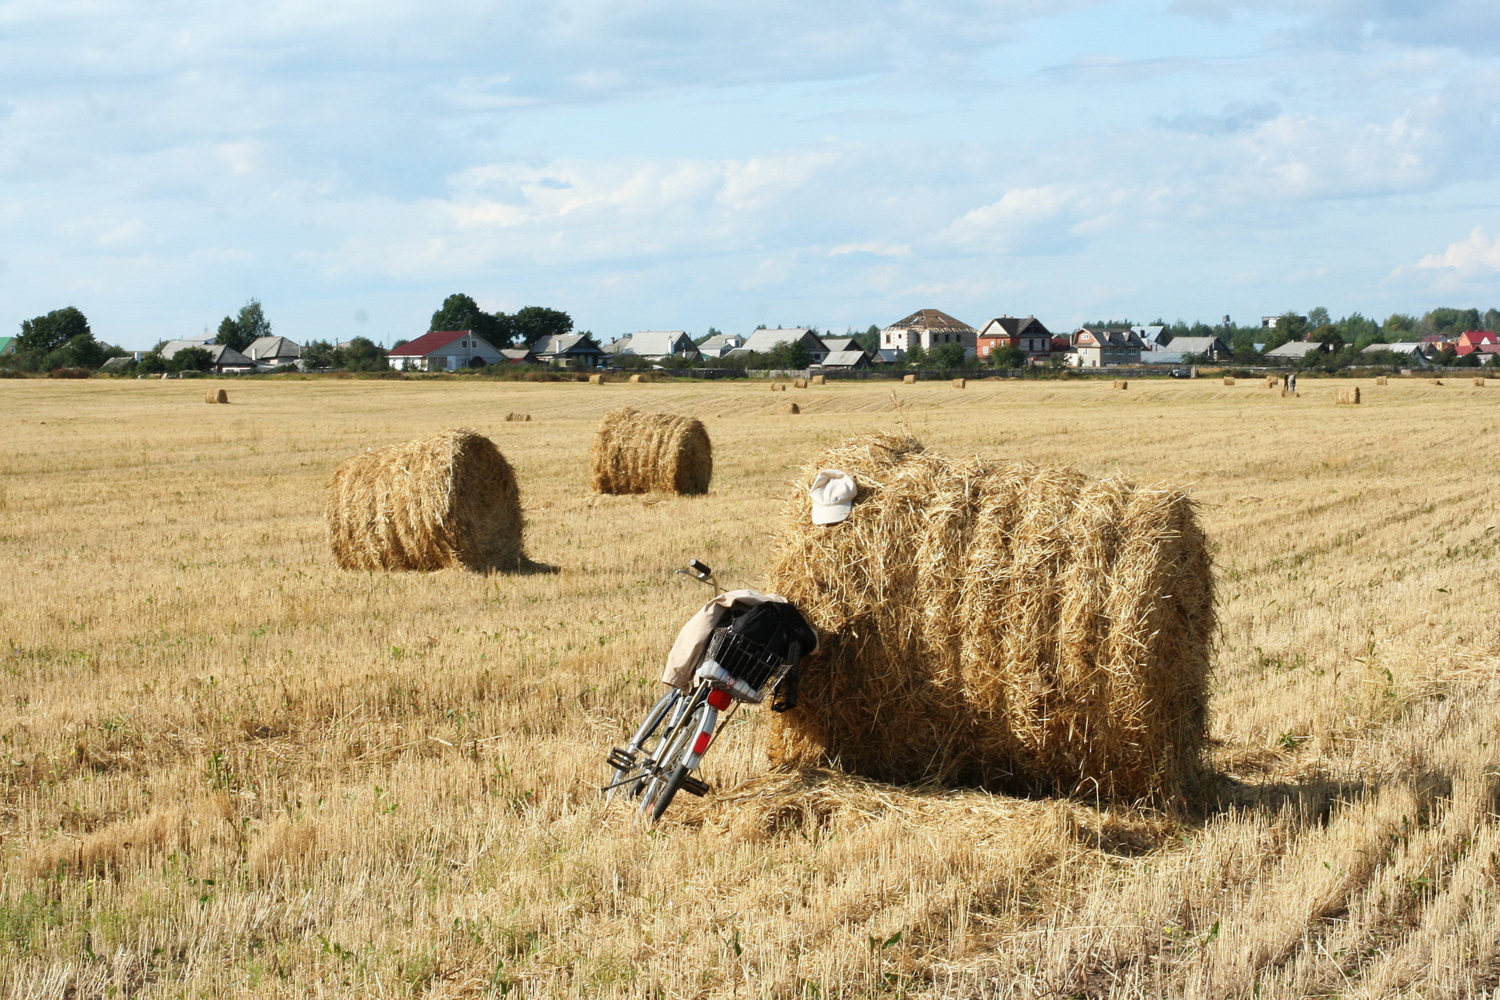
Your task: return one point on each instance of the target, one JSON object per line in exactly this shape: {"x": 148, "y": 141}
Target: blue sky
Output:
{"x": 661, "y": 164}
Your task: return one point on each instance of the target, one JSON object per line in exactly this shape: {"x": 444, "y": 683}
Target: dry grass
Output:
{"x": 1348, "y": 395}
{"x": 354, "y": 784}
{"x": 1021, "y": 628}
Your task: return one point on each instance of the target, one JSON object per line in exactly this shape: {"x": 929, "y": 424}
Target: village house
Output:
{"x": 273, "y": 352}
{"x": 1024, "y": 333}
{"x": 765, "y": 341}
{"x": 849, "y": 361}
{"x": 720, "y": 344}
{"x": 1207, "y": 348}
{"x": 835, "y": 344}
{"x": 576, "y": 350}
{"x": 444, "y": 350}
{"x": 224, "y": 359}
{"x": 1411, "y": 351}
{"x": 928, "y": 329}
{"x": 1104, "y": 348}
{"x": 1474, "y": 340}
{"x": 1295, "y": 350}
{"x": 518, "y": 355}
{"x": 654, "y": 345}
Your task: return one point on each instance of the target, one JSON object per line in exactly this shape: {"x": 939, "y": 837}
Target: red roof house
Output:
{"x": 1472, "y": 340}
{"x": 445, "y": 350}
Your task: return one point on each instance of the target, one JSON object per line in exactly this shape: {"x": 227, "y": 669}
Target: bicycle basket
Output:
{"x": 744, "y": 660}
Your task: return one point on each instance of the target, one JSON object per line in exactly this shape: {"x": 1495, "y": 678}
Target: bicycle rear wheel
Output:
{"x": 630, "y": 775}
{"x": 672, "y": 767}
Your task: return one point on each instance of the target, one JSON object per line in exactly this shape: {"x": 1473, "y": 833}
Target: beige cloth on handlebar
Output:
{"x": 687, "y": 651}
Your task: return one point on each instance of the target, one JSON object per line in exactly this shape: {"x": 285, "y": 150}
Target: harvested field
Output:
{"x": 233, "y": 770}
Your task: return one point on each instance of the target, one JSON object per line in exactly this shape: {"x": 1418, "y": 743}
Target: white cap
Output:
{"x": 832, "y": 492}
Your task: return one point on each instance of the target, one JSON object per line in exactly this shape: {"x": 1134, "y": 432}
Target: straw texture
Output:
{"x": 1018, "y": 628}
{"x": 448, "y": 500}
{"x": 636, "y": 452}
{"x": 1380, "y": 380}
{"x": 792, "y": 408}
{"x": 819, "y": 380}
{"x": 523, "y": 417}
{"x": 1121, "y": 384}
{"x": 1228, "y": 380}
{"x": 1479, "y": 381}
{"x": 1349, "y": 395}
{"x": 799, "y": 383}
{"x": 960, "y": 383}
{"x": 216, "y": 396}
{"x": 596, "y": 380}
{"x": 909, "y": 379}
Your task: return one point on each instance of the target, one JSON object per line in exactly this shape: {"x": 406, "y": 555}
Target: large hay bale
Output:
{"x": 636, "y": 452}
{"x": 210, "y": 396}
{"x": 1380, "y": 380}
{"x": 1018, "y": 628}
{"x": 792, "y": 408}
{"x": 960, "y": 383}
{"x": 523, "y": 417}
{"x": 1121, "y": 384}
{"x": 799, "y": 383}
{"x": 819, "y": 380}
{"x": 1479, "y": 382}
{"x": 447, "y": 500}
{"x": 777, "y": 387}
{"x": 637, "y": 378}
{"x": 1270, "y": 381}
{"x": 1434, "y": 381}
{"x": 909, "y": 379}
{"x": 596, "y": 380}
{"x": 1228, "y": 380}
{"x": 1349, "y": 395}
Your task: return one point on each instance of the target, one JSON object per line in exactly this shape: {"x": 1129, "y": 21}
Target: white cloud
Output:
{"x": 1474, "y": 255}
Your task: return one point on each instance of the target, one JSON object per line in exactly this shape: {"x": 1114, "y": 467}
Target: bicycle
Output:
{"x": 755, "y": 653}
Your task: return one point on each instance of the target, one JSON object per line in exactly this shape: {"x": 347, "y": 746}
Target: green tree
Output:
{"x": 1007, "y": 357}
{"x": 707, "y": 336}
{"x": 916, "y": 356}
{"x": 869, "y": 341}
{"x": 49, "y": 332}
{"x": 534, "y": 323}
{"x": 319, "y": 354}
{"x": 1290, "y": 326}
{"x": 191, "y": 359}
{"x": 360, "y": 355}
{"x": 1318, "y": 316}
{"x": 947, "y": 357}
{"x": 460, "y": 312}
{"x": 239, "y": 332}
{"x": 1329, "y": 336}
{"x": 790, "y": 355}
{"x": 1445, "y": 322}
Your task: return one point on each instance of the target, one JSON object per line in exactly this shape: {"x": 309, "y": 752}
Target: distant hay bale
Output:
{"x": 799, "y": 383}
{"x": 1121, "y": 384}
{"x": 637, "y": 378}
{"x": 1349, "y": 395}
{"x": 960, "y": 383}
{"x": 1288, "y": 394}
{"x": 447, "y": 500}
{"x": 636, "y": 452}
{"x": 1019, "y": 628}
{"x": 909, "y": 379}
{"x": 1270, "y": 381}
{"x": 819, "y": 380}
{"x": 1479, "y": 381}
{"x": 792, "y": 408}
{"x": 215, "y": 396}
{"x": 1380, "y": 380}
{"x": 515, "y": 417}
{"x": 596, "y": 380}
{"x": 778, "y": 387}
{"x": 1228, "y": 380}
{"x": 1434, "y": 381}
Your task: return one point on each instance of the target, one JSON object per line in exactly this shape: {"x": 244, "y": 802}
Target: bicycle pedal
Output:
{"x": 621, "y": 760}
{"x": 692, "y": 784}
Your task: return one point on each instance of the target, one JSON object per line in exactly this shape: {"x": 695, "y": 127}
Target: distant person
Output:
{"x": 1291, "y": 382}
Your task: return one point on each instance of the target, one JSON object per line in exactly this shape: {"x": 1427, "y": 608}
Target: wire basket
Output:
{"x": 744, "y": 660}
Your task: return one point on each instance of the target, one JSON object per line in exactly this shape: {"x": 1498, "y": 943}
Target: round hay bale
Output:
{"x": 637, "y": 378}
{"x": 1349, "y": 395}
{"x": 221, "y": 396}
{"x": 1270, "y": 381}
{"x": 960, "y": 383}
{"x": 1017, "y": 628}
{"x": 799, "y": 383}
{"x": 1380, "y": 380}
{"x": 525, "y": 417}
{"x": 636, "y": 452}
{"x": 596, "y": 380}
{"x": 1434, "y": 381}
{"x": 1479, "y": 382}
{"x": 210, "y": 396}
{"x": 447, "y": 500}
{"x": 1228, "y": 380}
{"x": 792, "y": 408}
{"x": 1121, "y": 384}
{"x": 819, "y": 380}
{"x": 909, "y": 379}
